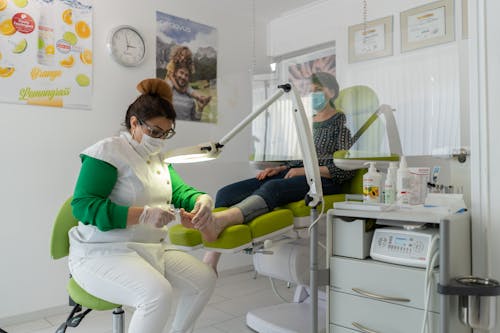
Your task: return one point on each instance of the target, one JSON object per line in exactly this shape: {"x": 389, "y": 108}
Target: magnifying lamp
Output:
{"x": 211, "y": 150}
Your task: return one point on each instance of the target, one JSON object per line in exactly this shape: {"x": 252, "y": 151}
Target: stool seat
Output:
{"x": 85, "y": 299}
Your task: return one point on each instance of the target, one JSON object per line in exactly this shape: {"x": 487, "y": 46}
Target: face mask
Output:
{"x": 318, "y": 100}
{"x": 152, "y": 146}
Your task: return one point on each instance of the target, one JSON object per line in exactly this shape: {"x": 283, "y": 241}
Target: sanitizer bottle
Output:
{"x": 371, "y": 184}
{"x": 390, "y": 184}
{"x": 403, "y": 182}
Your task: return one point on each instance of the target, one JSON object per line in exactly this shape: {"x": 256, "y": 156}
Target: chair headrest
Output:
{"x": 357, "y": 99}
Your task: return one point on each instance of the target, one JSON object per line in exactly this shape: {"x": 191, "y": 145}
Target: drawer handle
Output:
{"x": 384, "y": 298}
{"x": 362, "y": 328}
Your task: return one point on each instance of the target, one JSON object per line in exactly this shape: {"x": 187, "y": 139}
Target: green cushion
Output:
{"x": 270, "y": 222}
{"x": 232, "y": 237}
{"x": 179, "y": 235}
{"x": 299, "y": 208}
{"x": 83, "y": 298}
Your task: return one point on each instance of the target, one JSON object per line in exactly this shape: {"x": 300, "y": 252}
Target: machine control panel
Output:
{"x": 404, "y": 247}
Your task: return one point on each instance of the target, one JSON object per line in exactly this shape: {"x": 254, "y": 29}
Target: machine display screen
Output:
{"x": 400, "y": 241}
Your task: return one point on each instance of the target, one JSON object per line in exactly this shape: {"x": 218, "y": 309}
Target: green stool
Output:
{"x": 79, "y": 298}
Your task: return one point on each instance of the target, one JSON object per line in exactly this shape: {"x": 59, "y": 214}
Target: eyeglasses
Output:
{"x": 156, "y": 133}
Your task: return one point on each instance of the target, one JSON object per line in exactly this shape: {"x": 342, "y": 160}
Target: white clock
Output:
{"x": 126, "y": 46}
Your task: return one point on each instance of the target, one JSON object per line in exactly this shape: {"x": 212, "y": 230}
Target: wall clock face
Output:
{"x": 126, "y": 46}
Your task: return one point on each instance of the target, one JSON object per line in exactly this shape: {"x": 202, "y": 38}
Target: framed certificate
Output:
{"x": 370, "y": 40}
{"x": 427, "y": 25}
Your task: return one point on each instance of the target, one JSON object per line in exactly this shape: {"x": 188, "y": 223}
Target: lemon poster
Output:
{"x": 46, "y": 52}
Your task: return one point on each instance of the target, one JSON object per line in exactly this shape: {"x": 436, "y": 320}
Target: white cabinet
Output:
{"x": 368, "y": 296}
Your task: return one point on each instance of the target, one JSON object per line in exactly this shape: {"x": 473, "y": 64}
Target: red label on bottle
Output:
{"x": 23, "y": 23}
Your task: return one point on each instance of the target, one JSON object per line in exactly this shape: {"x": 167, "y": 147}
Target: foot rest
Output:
{"x": 232, "y": 239}
{"x": 185, "y": 238}
{"x": 268, "y": 225}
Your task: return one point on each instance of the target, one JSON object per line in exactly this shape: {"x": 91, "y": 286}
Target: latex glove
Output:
{"x": 202, "y": 211}
{"x": 156, "y": 216}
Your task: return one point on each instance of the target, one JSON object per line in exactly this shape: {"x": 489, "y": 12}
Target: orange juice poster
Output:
{"x": 46, "y": 52}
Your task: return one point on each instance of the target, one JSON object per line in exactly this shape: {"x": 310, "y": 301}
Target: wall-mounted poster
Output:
{"x": 46, "y": 52}
{"x": 300, "y": 68}
{"x": 186, "y": 57}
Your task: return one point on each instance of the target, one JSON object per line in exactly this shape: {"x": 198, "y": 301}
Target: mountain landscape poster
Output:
{"x": 186, "y": 57}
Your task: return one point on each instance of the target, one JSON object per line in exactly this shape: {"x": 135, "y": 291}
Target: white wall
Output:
{"x": 40, "y": 146}
{"x": 423, "y": 85}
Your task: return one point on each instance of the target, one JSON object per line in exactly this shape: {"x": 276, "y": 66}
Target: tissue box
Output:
{"x": 352, "y": 239}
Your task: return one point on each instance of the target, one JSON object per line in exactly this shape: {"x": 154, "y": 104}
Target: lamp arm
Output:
{"x": 309, "y": 156}
{"x": 392, "y": 129}
{"x": 250, "y": 117}
{"x": 390, "y": 125}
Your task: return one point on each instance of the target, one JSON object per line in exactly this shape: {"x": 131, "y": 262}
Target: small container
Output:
{"x": 475, "y": 310}
{"x": 371, "y": 184}
{"x": 390, "y": 184}
{"x": 403, "y": 183}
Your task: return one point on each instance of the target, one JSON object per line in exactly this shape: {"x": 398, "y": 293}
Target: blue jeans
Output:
{"x": 276, "y": 191}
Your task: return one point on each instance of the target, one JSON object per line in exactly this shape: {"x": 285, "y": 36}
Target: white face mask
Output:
{"x": 152, "y": 146}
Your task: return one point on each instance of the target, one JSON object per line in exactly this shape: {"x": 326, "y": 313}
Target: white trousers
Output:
{"x": 147, "y": 284}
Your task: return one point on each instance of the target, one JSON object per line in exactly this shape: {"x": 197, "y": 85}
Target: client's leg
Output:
{"x": 242, "y": 212}
{"x": 211, "y": 258}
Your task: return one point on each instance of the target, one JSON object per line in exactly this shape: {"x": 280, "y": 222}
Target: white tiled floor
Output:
{"x": 234, "y": 296}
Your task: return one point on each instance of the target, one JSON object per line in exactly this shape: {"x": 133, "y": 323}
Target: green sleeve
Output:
{"x": 183, "y": 196}
{"x": 91, "y": 204}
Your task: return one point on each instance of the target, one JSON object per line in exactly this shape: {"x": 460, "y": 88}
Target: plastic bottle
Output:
{"x": 46, "y": 44}
{"x": 390, "y": 184}
{"x": 403, "y": 182}
{"x": 371, "y": 184}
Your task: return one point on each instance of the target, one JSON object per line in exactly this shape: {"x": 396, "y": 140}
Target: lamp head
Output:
{"x": 200, "y": 153}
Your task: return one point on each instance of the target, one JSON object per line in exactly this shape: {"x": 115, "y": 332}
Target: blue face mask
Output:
{"x": 318, "y": 100}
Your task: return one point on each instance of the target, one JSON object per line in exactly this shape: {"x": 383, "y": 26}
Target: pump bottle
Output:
{"x": 403, "y": 182}
{"x": 371, "y": 184}
{"x": 390, "y": 184}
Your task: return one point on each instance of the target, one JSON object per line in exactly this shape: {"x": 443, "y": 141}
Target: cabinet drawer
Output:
{"x": 346, "y": 310}
{"x": 383, "y": 279}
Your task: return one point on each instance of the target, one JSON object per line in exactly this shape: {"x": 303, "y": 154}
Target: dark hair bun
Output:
{"x": 155, "y": 87}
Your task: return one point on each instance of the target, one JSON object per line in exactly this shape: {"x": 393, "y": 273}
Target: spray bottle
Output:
{"x": 403, "y": 182}
{"x": 371, "y": 184}
{"x": 390, "y": 184}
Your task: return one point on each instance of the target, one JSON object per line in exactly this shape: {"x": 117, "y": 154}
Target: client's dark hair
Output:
{"x": 326, "y": 80}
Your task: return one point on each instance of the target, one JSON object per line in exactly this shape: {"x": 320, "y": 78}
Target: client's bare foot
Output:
{"x": 211, "y": 231}
{"x": 186, "y": 219}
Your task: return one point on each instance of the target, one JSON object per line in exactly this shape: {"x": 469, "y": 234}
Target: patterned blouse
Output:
{"x": 329, "y": 136}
